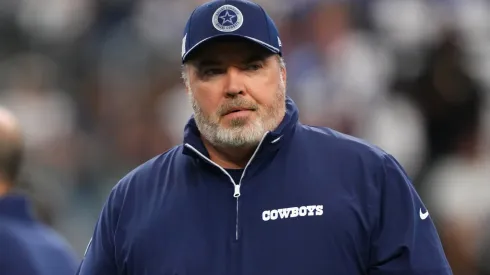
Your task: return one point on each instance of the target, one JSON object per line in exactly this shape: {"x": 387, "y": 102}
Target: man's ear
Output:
{"x": 187, "y": 86}
{"x": 284, "y": 74}
{"x": 185, "y": 77}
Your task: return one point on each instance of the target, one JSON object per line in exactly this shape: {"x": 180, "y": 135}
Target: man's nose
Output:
{"x": 234, "y": 82}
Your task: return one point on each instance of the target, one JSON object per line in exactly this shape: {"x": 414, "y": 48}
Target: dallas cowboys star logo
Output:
{"x": 227, "y": 18}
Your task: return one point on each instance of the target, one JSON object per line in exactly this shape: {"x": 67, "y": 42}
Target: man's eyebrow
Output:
{"x": 254, "y": 58}
{"x": 207, "y": 63}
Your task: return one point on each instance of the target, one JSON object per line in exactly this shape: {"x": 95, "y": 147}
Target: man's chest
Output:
{"x": 261, "y": 232}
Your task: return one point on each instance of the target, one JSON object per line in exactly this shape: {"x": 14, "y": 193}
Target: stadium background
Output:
{"x": 96, "y": 86}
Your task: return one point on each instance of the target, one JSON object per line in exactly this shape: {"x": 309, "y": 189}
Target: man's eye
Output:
{"x": 210, "y": 72}
{"x": 254, "y": 67}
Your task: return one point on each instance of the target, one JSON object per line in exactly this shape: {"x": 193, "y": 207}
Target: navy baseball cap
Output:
{"x": 238, "y": 18}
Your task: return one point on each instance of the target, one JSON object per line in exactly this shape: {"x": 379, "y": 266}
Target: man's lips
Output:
{"x": 237, "y": 109}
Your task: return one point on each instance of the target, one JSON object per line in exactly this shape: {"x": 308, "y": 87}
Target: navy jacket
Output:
{"x": 311, "y": 201}
{"x": 28, "y": 247}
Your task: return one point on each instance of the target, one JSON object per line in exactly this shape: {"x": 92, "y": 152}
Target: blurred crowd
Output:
{"x": 96, "y": 86}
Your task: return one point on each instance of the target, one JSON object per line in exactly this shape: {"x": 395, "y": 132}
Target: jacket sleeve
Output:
{"x": 404, "y": 240}
{"x": 99, "y": 257}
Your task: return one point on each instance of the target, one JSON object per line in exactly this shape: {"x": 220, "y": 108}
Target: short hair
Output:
{"x": 11, "y": 157}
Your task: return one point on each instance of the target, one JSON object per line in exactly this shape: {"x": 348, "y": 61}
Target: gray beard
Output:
{"x": 240, "y": 133}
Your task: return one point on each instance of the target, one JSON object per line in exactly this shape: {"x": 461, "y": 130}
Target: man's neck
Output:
{"x": 4, "y": 188}
{"x": 229, "y": 157}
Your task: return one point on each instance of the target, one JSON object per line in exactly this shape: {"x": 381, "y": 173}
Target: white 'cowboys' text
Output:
{"x": 292, "y": 212}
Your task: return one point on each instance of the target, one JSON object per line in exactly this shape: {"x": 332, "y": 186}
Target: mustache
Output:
{"x": 236, "y": 104}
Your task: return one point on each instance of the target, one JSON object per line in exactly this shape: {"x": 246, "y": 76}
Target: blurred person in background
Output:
{"x": 456, "y": 179}
{"x": 31, "y": 91}
{"x": 337, "y": 70}
{"x": 483, "y": 260}
{"x": 27, "y": 246}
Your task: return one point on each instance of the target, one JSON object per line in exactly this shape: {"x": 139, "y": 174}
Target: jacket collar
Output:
{"x": 272, "y": 141}
{"x": 16, "y": 206}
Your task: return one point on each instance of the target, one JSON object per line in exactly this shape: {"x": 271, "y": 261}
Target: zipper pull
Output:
{"x": 237, "y": 191}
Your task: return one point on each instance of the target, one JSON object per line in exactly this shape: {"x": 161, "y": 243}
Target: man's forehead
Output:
{"x": 219, "y": 51}
{"x": 222, "y": 59}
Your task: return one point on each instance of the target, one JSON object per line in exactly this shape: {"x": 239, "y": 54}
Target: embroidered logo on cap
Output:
{"x": 227, "y": 18}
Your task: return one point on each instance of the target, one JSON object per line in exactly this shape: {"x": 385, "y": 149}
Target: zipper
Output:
{"x": 236, "y": 191}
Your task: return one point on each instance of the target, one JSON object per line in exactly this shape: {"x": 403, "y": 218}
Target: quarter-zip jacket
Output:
{"x": 310, "y": 201}
{"x": 28, "y": 247}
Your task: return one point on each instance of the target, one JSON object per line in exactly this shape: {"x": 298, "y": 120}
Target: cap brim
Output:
{"x": 261, "y": 43}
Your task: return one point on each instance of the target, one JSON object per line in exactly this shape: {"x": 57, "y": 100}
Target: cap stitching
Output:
{"x": 188, "y": 35}
{"x": 266, "y": 23}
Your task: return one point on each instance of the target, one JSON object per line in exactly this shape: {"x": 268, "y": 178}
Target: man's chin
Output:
{"x": 238, "y": 143}
{"x": 237, "y": 124}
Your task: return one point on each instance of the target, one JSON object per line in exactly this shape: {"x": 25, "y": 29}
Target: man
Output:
{"x": 252, "y": 190}
{"x": 27, "y": 247}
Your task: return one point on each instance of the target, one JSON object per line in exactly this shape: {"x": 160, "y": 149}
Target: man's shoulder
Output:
{"x": 23, "y": 239}
{"x": 160, "y": 161}
{"x": 7, "y": 234}
{"x": 329, "y": 141}
{"x": 153, "y": 168}
{"x": 11, "y": 240}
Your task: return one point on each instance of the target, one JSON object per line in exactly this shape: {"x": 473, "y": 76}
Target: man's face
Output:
{"x": 237, "y": 90}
